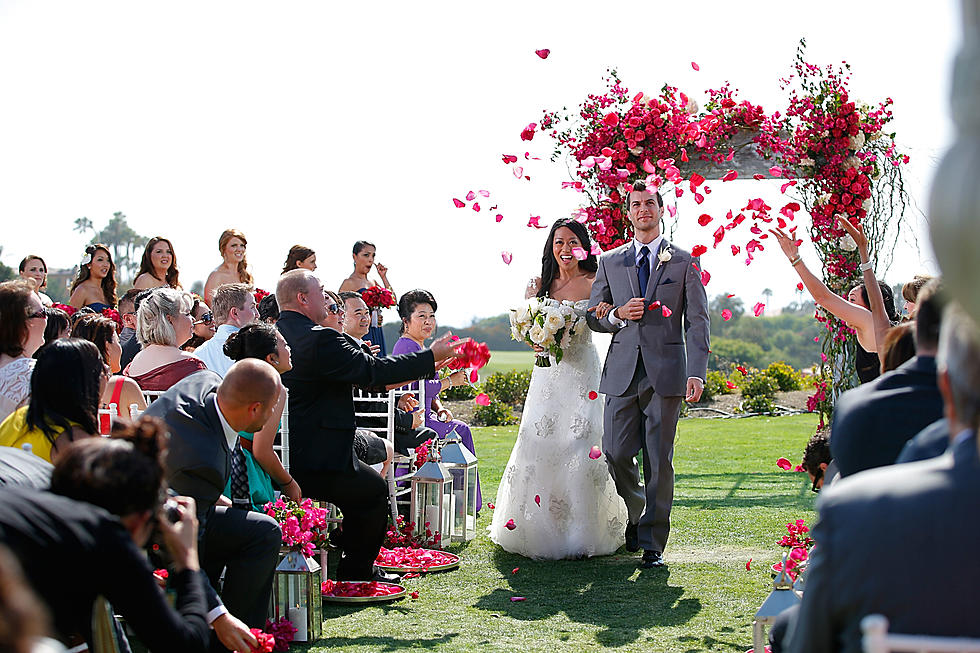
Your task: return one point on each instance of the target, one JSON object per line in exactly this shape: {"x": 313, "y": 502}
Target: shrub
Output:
{"x": 716, "y": 384}
{"x": 785, "y": 376}
{"x": 759, "y": 394}
{"x": 459, "y": 393}
{"x": 496, "y": 414}
{"x": 509, "y": 387}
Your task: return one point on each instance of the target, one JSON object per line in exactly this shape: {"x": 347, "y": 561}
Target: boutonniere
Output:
{"x": 664, "y": 256}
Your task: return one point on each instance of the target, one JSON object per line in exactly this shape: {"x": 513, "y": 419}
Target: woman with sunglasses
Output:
{"x": 22, "y": 323}
{"x": 202, "y": 328}
{"x": 335, "y": 311}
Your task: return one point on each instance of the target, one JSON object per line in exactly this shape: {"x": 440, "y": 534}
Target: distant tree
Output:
{"x": 726, "y": 352}
{"x": 125, "y": 243}
{"x": 767, "y": 293}
{"x": 198, "y": 288}
{"x": 6, "y": 272}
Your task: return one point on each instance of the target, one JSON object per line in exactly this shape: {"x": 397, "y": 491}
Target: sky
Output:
{"x": 322, "y": 123}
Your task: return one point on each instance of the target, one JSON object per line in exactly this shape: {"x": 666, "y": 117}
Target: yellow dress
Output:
{"x": 15, "y": 433}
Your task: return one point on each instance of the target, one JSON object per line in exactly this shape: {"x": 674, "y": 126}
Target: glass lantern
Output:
{"x": 461, "y": 464}
{"x": 432, "y": 497}
{"x": 296, "y": 593}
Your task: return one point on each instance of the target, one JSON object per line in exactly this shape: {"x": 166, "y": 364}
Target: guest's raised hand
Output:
{"x": 234, "y": 634}
{"x": 457, "y": 378}
{"x": 787, "y": 244}
{"x": 375, "y": 349}
{"x": 180, "y": 537}
{"x": 445, "y": 415}
{"x": 856, "y": 232}
{"x": 444, "y": 348}
{"x": 631, "y": 310}
{"x": 408, "y": 403}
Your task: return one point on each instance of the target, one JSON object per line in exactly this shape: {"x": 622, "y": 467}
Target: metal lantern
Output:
{"x": 461, "y": 464}
{"x": 781, "y": 598}
{"x": 296, "y": 593}
{"x": 432, "y": 497}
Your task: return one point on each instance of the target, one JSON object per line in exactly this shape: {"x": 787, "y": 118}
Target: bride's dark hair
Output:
{"x": 549, "y": 267}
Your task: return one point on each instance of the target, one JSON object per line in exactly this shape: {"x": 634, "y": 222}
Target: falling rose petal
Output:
{"x": 510, "y": 525}
{"x": 491, "y": 506}
{"x": 507, "y": 256}
{"x": 666, "y": 311}
{"x": 731, "y": 386}
{"x": 484, "y": 193}
{"x": 726, "y": 314}
{"x": 758, "y": 177}
{"x": 535, "y": 221}
{"x": 459, "y": 203}
{"x": 414, "y": 595}
{"x": 678, "y": 192}
{"x": 537, "y": 499}
{"x": 594, "y": 453}
{"x": 611, "y": 119}
{"x": 741, "y": 370}
{"x": 735, "y": 250}
{"x": 543, "y": 53}
{"x": 698, "y": 197}
{"x": 672, "y": 210}
{"x": 684, "y": 155}
{"x": 776, "y": 171}
{"x": 707, "y": 189}
{"x": 695, "y": 66}
{"x": 510, "y": 158}
{"x": 782, "y": 189}
{"x": 499, "y": 217}
{"x": 704, "y": 219}
{"x": 782, "y": 463}
{"x": 731, "y": 154}
{"x": 823, "y": 357}
{"x": 474, "y": 376}
{"x": 705, "y": 277}
{"x": 755, "y": 229}
{"x": 482, "y": 399}
{"x": 518, "y": 599}
{"x": 799, "y": 468}
{"x": 476, "y": 206}
{"x": 719, "y": 235}
{"x": 730, "y": 175}
{"x": 515, "y": 570}
{"x": 518, "y": 171}
{"x": 748, "y": 565}
{"x": 654, "y": 306}
{"x": 593, "y": 395}
{"x": 528, "y": 132}
{"x": 698, "y": 250}
{"x": 470, "y": 196}
{"x": 648, "y": 167}
{"x": 730, "y": 295}
{"x": 596, "y": 250}
{"x": 798, "y": 242}
{"x": 799, "y": 286}
{"x": 759, "y": 309}
{"x": 580, "y": 253}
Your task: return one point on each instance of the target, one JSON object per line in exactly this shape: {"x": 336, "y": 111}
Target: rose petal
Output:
{"x": 731, "y": 386}
{"x": 672, "y": 210}
{"x": 776, "y": 171}
{"x": 705, "y": 277}
{"x": 484, "y": 193}
{"x": 799, "y": 286}
{"x": 490, "y": 506}
{"x": 516, "y": 599}
{"x": 666, "y": 311}
{"x": 515, "y": 570}
{"x": 518, "y": 171}
{"x": 543, "y": 53}
{"x": 695, "y": 66}
{"x": 758, "y": 177}
{"x": 730, "y": 175}
{"x": 782, "y": 189}
{"x": 580, "y": 253}
{"x": 459, "y": 203}
{"x": 595, "y": 453}
{"x": 596, "y": 250}
{"x": 726, "y": 314}
{"x": 507, "y": 256}
{"x": 470, "y": 196}
{"x": 748, "y": 565}
{"x": 474, "y": 376}
{"x": 414, "y": 595}
{"x": 476, "y": 206}
{"x": 537, "y": 499}
{"x": 782, "y": 463}
{"x": 510, "y": 525}
{"x": 684, "y": 155}
{"x": 654, "y": 306}
{"x": 509, "y": 158}
{"x": 499, "y": 217}
{"x": 698, "y": 250}
{"x": 535, "y": 221}
{"x": 704, "y": 219}
{"x": 593, "y": 395}
{"x": 758, "y": 309}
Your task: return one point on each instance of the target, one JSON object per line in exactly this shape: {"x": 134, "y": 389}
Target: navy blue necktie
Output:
{"x": 644, "y": 269}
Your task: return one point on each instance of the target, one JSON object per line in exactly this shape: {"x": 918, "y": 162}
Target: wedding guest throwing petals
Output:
{"x": 158, "y": 267}
{"x": 298, "y": 257}
{"x": 358, "y": 281}
{"x": 22, "y": 325}
{"x": 120, "y": 390}
{"x": 33, "y": 268}
{"x": 95, "y": 284}
{"x": 163, "y": 321}
{"x": 234, "y": 266}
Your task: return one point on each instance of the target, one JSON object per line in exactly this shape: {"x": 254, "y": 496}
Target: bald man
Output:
{"x": 205, "y": 415}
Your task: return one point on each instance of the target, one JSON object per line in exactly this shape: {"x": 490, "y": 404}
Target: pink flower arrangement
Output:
{"x": 304, "y": 526}
{"x": 799, "y": 543}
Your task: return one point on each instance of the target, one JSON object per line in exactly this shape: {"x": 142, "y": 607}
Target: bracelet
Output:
{"x": 795, "y": 260}
{"x": 287, "y": 484}
{"x": 864, "y": 267}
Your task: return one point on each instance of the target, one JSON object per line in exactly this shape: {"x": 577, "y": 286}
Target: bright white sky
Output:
{"x": 322, "y": 123}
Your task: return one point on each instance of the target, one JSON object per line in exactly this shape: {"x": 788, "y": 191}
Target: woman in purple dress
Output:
{"x": 417, "y": 309}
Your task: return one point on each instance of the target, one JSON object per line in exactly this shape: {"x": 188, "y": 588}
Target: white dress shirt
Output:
{"x": 654, "y": 247}
{"x": 212, "y": 352}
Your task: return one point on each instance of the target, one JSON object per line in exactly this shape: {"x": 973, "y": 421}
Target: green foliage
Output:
{"x": 716, "y": 384}
{"x": 509, "y": 387}
{"x": 759, "y": 394}
{"x": 787, "y": 337}
{"x": 497, "y": 413}
{"x": 6, "y": 272}
{"x": 787, "y": 379}
{"x": 726, "y": 352}
{"x": 459, "y": 393}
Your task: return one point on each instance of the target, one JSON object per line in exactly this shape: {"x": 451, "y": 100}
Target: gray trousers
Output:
{"x": 642, "y": 420}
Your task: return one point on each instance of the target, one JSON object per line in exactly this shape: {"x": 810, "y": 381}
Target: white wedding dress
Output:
{"x": 580, "y": 513}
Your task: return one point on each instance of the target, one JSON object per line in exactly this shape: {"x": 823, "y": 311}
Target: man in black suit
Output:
{"x": 901, "y": 540}
{"x": 205, "y": 414}
{"x": 873, "y": 422}
{"x": 326, "y": 366}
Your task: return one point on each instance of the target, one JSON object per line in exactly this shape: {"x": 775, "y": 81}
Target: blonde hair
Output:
{"x": 226, "y": 297}
{"x": 243, "y": 274}
{"x": 152, "y": 325}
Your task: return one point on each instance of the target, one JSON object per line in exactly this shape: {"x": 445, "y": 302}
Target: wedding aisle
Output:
{"x": 731, "y": 504}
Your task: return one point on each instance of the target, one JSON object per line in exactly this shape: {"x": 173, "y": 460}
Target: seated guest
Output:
{"x": 268, "y": 309}
{"x": 326, "y": 366}
{"x": 928, "y": 443}
{"x": 257, "y": 458}
{"x": 910, "y": 293}
{"x": 132, "y": 346}
{"x": 299, "y": 257}
{"x": 158, "y": 267}
{"x": 899, "y": 346}
{"x": 23, "y": 468}
{"x": 163, "y": 321}
{"x": 873, "y": 422}
{"x": 35, "y": 270}
{"x": 95, "y": 284}
{"x": 58, "y": 326}
{"x": 22, "y": 324}
{"x": 84, "y": 539}
{"x": 68, "y": 381}
{"x": 205, "y": 414}
{"x": 202, "y": 328}
{"x": 232, "y": 308}
{"x": 928, "y": 507}
{"x": 417, "y": 309}
{"x": 127, "y": 313}
{"x": 120, "y": 390}
{"x": 816, "y": 459}
{"x": 410, "y": 431}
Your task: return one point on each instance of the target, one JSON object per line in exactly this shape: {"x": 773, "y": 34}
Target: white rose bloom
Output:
{"x": 857, "y": 142}
{"x": 824, "y": 198}
{"x": 847, "y": 243}
{"x": 538, "y": 335}
{"x": 807, "y": 162}
{"x": 866, "y": 204}
{"x": 523, "y": 313}
{"x": 516, "y": 334}
{"x": 853, "y": 162}
{"x": 554, "y": 321}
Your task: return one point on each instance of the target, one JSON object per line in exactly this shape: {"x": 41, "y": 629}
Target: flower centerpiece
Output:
{"x": 799, "y": 543}
{"x": 304, "y": 526}
{"x": 547, "y": 323}
{"x": 378, "y": 297}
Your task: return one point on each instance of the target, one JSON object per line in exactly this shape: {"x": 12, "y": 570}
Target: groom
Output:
{"x": 660, "y": 304}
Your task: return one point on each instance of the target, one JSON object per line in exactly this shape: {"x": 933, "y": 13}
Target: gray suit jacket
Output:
{"x": 900, "y": 541}
{"x": 673, "y": 348}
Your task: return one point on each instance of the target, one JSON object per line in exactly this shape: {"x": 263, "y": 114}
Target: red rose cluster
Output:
{"x": 378, "y": 297}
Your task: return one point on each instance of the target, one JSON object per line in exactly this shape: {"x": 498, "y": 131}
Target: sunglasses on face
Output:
{"x": 207, "y": 318}
{"x": 336, "y": 309}
{"x": 37, "y": 315}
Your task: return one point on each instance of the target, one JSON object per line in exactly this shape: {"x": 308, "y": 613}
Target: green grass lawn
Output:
{"x": 505, "y": 361}
{"x": 731, "y": 504}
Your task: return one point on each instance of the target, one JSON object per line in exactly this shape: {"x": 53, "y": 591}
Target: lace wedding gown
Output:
{"x": 580, "y": 513}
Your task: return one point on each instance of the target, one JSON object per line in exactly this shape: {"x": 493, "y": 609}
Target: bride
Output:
{"x": 562, "y": 502}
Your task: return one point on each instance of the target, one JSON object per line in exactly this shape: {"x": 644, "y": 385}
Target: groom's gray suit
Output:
{"x": 645, "y": 376}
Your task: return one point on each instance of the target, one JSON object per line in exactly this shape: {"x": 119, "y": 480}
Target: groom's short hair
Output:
{"x": 639, "y": 186}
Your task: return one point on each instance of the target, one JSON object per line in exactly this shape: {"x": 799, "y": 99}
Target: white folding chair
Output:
{"x": 282, "y": 448}
{"x": 877, "y": 639}
{"x": 151, "y": 395}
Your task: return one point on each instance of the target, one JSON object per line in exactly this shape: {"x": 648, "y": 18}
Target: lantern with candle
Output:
{"x": 462, "y": 465}
{"x": 432, "y": 497}
{"x": 296, "y": 593}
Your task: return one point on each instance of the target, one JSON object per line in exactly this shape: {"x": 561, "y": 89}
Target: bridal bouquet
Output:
{"x": 546, "y": 323}
{"x": 378, "y": 297}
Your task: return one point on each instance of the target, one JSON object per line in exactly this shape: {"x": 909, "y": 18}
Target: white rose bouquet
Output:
{"x": 546, "y": 323}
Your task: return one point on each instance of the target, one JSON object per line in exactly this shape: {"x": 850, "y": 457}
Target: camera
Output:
{"x": 170, "y": 508}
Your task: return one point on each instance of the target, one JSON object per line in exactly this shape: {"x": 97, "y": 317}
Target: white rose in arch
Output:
{"x": 857, "y": 142}
{"x": 847, "y": 243}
